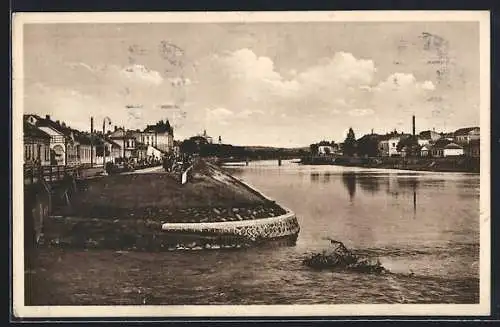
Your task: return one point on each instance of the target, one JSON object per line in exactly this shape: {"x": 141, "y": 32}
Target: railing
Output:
{"x": 33, "y": 174}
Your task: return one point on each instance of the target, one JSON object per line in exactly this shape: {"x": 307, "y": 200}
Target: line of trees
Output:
{"x": 368, "y": 145}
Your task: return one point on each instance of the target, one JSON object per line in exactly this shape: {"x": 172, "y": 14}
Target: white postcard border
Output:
{"x": 20, "y": 310}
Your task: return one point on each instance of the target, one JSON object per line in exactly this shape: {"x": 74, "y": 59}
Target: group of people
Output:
{"x": 177, "y": 163}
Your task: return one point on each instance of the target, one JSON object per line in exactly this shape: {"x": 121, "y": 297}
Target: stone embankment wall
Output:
{"x": 248, "y": 232}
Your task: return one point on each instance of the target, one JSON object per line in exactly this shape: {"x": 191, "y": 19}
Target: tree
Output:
{"x": 368, "y": 146}
{"x": 313, "y": 148}
{"x": 350, "y": 143}
{"x": 189, "y": 147}
{"x": 411, "y": 145}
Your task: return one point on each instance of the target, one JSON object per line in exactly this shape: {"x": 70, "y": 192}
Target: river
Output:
{"x": 419, "y": 223}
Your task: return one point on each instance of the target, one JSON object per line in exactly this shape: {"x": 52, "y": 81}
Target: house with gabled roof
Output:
{"x": 107, "y": 150}
{"x": 36, "y": 145}
{"x": 446, "y": 148}
{"x": 425, "y": 151}
{"x": 126, "y": 140}
{"x": 86, "y": 148}
{"x": 62, "y": 143}
{"x": 453, "y": 150}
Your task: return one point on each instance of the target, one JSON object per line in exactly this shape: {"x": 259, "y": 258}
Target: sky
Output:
{"x": 270, "y": 84}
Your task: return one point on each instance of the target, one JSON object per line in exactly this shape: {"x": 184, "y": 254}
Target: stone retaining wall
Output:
{"x": 248, "y": 231}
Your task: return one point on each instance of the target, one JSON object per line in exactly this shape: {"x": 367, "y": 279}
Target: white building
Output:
{"x": 388, "y": 147}
{"x": 425, "y": 151}
{"x": 453, "y": 149}
{"x": 160, "y": 135}
{"x": 153, "y": 152}
{"x": 325, "y": 150}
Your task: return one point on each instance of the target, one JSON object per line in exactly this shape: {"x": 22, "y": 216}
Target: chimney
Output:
{"x": 91, "y": 124}
{"x": 47, "y": 117}
{"x": 116, "y": 128}
{"x": 63, "y": 124}
{"x": 413, "y": 124}
{"x": 58, "y": 122}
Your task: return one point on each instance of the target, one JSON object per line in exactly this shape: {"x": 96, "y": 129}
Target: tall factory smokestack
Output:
{"x": 413, "y": 124}
{"x": 91, "y": 141}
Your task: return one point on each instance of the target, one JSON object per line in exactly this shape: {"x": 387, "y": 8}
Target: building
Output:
{"x": 63, "y": 149}
{"x": 473, "y": 149}
{"x": 427, "y": 137}
{"x": 36, "y": 145}
{"x": 324, "y": 150}
{"x": 107, "y": 150}
{"x": 448, "y": 136}
{"x": 466, "y": 135}
{"x": 146, "y": 137}
{"x": 160, "y": 135}
{"x": 126, "y": 141}
{"x": 209, "y": 139}
{"x": 140, "y": 152}
{"x": 86, "y": 150}
{"x": 153, "y": 153}
{"x": 437, "y": 149}
{"x": 425, "y": 151}
{"x": 453, "y": 149}
{"x": 388, "y": 145}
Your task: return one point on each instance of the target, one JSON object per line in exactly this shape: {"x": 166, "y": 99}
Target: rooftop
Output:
{"x": 160, "y": 127}
{"x": 32, "y": 131}
{"x": 464, "y": 131}
{"x": 453, "y": 146}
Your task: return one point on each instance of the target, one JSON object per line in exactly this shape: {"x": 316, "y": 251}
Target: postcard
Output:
{"x": 251, "y": 164}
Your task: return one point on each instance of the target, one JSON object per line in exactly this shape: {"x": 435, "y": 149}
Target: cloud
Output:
{"x": 218, "y": 115}
{"x": 339, "y": 89}
{"x": 401, "y": 82}
{"x": 233, "y": 88}
{"x": 341, "y": 71}
{"x": 360, "y": 112}
{"x": 428, "y": 85}
{"x": 140, "y": 73}
{"x": 247, "y": 113}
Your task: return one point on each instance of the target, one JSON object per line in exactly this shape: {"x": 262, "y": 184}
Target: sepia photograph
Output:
{"x": 251, "y": 164}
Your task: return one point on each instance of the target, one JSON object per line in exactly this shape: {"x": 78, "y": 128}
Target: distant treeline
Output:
{"x": 227, "y": 151}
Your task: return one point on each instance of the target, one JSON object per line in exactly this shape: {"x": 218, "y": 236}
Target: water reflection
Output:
{"x": 369, "y": 183}
{"x": 349, "y": 180}
{"x": 314, "y": 177}
{"x": 395, "y": 185}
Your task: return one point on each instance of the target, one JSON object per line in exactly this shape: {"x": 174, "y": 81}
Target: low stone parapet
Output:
{"x": 247, "y": 231}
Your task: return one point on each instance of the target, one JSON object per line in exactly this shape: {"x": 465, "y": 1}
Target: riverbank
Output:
{"x": 132, "y": 211}
{"x": 448, "y": 164}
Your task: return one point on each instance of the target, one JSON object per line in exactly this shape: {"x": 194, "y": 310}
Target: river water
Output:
{"x": 423, "y": 226}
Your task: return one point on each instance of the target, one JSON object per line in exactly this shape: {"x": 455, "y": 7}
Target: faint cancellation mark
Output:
{"x": 439, "y": 48}
{"x": 173, "y": 56}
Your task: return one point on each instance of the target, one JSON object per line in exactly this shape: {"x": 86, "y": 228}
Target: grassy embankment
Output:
{"x": 127, "y": 211}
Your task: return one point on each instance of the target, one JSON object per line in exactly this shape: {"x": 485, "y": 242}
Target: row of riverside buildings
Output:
{"x": 462, "y": 142}
{"x": 53, "y": 143}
